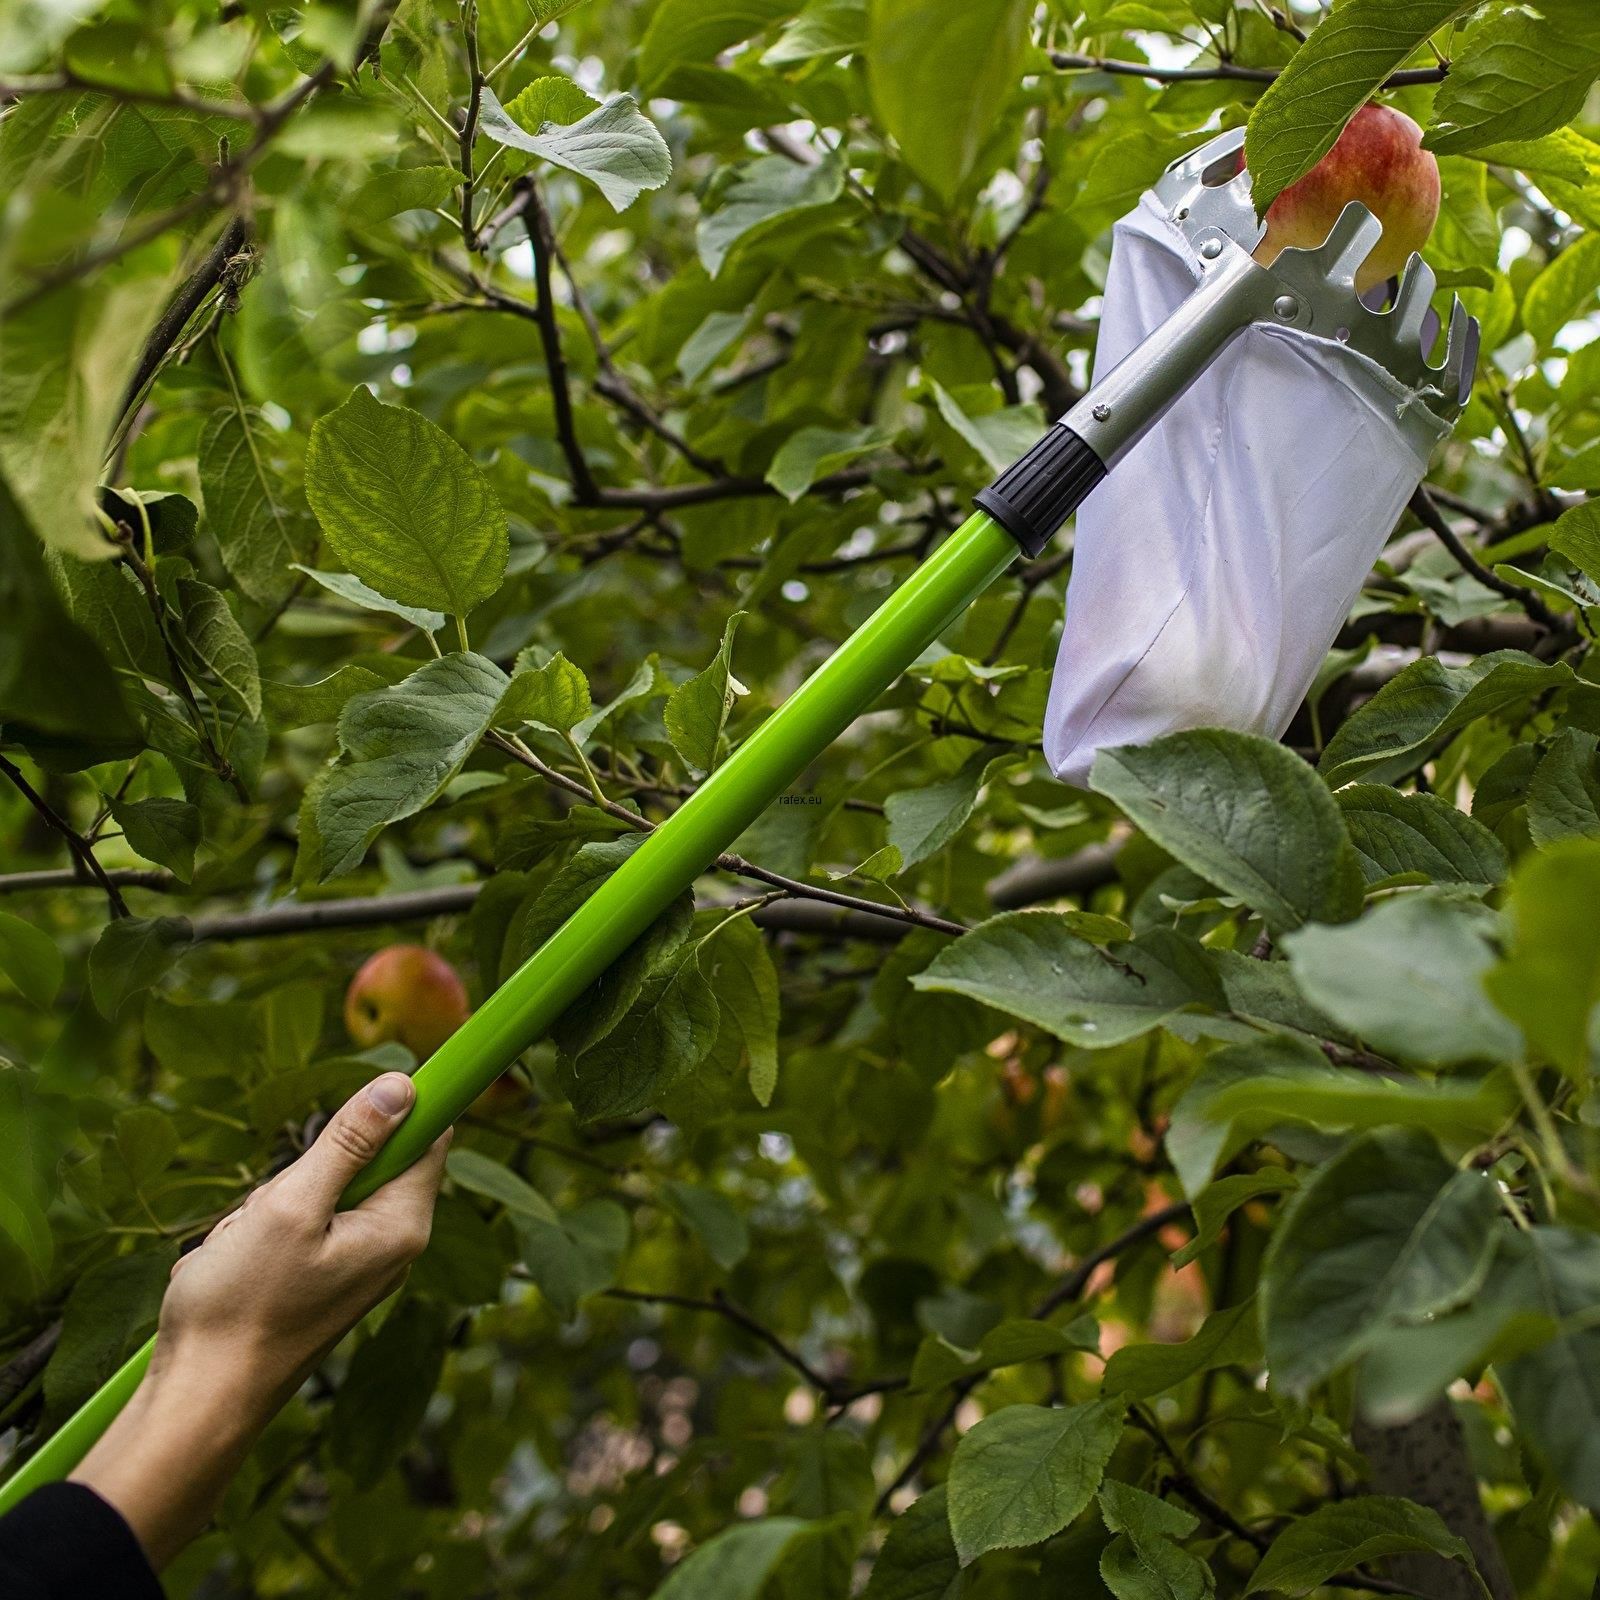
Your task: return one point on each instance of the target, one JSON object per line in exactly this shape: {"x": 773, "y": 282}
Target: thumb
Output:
{"x": 357, "y": 1131}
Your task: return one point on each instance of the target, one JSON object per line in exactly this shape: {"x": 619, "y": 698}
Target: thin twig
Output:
{"x": 541, "y": 237}
{"x": 76, "y": 843}
{"x": 469, "y": 124}
{"x": 1429, "y": 515}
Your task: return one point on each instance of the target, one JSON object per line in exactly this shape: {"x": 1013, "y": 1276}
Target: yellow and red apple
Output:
{"x": 406, "y": 994}
{"x": 1378, "y": 160}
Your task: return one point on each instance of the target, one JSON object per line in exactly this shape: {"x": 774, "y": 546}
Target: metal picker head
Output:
{"x": 1207, "y": 196}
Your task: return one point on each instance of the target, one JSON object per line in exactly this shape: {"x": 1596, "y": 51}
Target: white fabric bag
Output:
{"x": 1214, "y": 567}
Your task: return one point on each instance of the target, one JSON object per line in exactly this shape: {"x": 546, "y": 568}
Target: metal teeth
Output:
{"x": 1354, "y": 237}
{"x": 1412, "y": 304}
{"x": 1204, "y": 199}
{"x": 1461, "y": 352}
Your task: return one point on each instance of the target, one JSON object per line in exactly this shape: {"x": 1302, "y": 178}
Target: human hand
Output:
{"x": 250, "y": 1312}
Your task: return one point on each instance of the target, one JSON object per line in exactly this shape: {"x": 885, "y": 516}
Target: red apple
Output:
{"x": 1378, "y": 160}
{"x": 405, "y": 993}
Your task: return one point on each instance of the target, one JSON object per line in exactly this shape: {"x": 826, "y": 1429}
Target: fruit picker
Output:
{"x": 1232, "y": 314}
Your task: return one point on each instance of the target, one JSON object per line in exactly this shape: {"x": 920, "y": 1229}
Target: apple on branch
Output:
{"x": 1378, "y": 160}
{"x": 405, "y": 994}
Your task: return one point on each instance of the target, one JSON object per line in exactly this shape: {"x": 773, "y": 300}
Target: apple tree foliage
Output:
{"x": 432, "y": 435}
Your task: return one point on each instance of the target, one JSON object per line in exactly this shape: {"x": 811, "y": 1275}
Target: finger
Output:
{"x": 355, "y": 1133}
{"x": 400, "y": 1214}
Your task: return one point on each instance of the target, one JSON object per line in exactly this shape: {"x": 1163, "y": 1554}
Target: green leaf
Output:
{"x": 939, "y": 1362}
{"x": 824, "y": 31}
{"x": 214, "y": 634}
{"x": 617, "y": 148}
{"x": 130, "y": 955}
{"x": 259, "y": 529}
{"x": 736, "y": 1564}
{"x": 35, "y": 1128}
{"x": 1425, "y": 704}
{"x": 575, "y": 1255}
{"x": 555, "y": 696}
{"x": 1345, "y": 1533}
{"x": 1299, "y": 118}
{"x": 111, "y": 1311}
{"x": 1395, "y": 834}
{"x": 387, "y": 194}
{"x": 1000, "y": 437}
{"x": 1549, "y": 980}
{"x": 737, "y": 965}
{"x": 698, "y": 710}
{"x": 1144, "y": 1562}
{"x": 1554, "y": 1389}
{"x": 67, "y": 361}
{"x": 667, "y": 1033}
{"x": 473, "y": 1170}
{"x": 1564, "y": 795}
{"x": 761, "y": 193}
{"x": 1576, "y": 535}
{"x": 1226, "y": 1338}
{"x": 386, "y": 1390}
{"x": 923, "y": 821}
{"x": 1386, "y": 1233}
{"x": 30, "y": 959}
{"x": 714, "y": 1220}
{"x": 404, "y": 744}
{"x": 1218, "y": 1201}
{"x": 301, "y": 705}
{"x": 918, "y": 1560}
{"x": 939, "y": 71}
{"x": 1563, "y": 292}
{"x": 1244, "y": 1092}
{"x": 1513, "y": 76}
{"x": 549, "y": 99}
{"x": 814, "y": 452}
{"x": 1243, "y": 813}
{"x": 1407, "y": 979}
{"x": 1024, "y": 1472}
{"x": 404, "y": 506}
{"x": 162, "y": 830}
{"x": 690, "y": 31}
{"x": 1032, "y": 965}
{"x": 349, "y": 587}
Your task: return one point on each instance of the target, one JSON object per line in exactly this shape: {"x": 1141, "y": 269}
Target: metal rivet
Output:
{"x": 1101, "y": 413}
{"x": 1210, "y": 250}
{"x": 1287, "y": 307}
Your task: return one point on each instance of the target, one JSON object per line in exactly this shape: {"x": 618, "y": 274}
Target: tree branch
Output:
{"x": 76, "y": 843}
{"x": 1429, "y": 515}
{"x": 219, "y": 263}
{"x": 540, "y": 236}
{"x": 720, "y": 1305}
{"x": 1066, "y": 62}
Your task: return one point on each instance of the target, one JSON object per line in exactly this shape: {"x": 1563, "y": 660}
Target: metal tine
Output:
{"x": 1411, "y": 304}
{"x": 1461, "y": 350}
{"x": 1350, "y": 242}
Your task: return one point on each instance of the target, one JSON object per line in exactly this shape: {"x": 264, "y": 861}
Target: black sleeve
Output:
{"x": 65, "y": 1543}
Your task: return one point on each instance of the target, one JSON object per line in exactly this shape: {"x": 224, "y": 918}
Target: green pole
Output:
{"x": 525, "y": 1006}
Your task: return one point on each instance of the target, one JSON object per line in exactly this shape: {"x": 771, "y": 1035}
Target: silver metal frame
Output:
{"x": 1314, "y": 291}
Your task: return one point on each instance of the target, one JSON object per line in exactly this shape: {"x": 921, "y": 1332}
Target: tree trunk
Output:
{"x": 1427, "y": 1461}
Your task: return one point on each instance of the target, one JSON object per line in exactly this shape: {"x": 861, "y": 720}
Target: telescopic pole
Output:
{"x": 1020, "y": 512}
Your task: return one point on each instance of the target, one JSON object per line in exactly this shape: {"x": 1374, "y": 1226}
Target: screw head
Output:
{"x": 1101, "y": 413}
{"x": 1210, "y": 250}
{"x": 1286, "y": 307}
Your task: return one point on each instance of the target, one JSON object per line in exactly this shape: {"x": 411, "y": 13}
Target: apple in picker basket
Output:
{"x": 408, "y": 995}
{"x": 1378, "y": 160}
